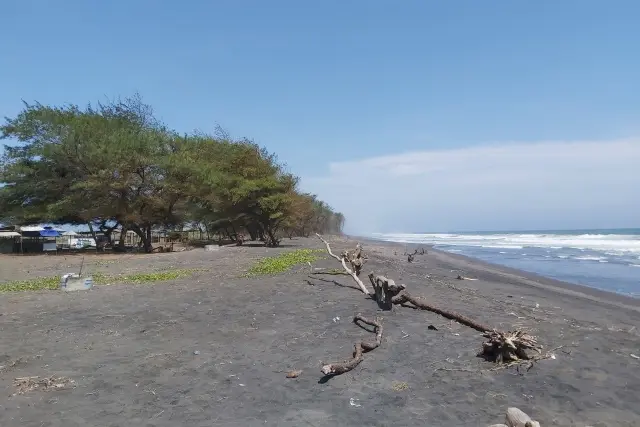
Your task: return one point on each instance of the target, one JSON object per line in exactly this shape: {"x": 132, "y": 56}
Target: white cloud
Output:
{"x": 545, "y": 185}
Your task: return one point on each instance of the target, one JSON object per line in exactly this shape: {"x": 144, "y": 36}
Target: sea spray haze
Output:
{"x": 604, "y": 259}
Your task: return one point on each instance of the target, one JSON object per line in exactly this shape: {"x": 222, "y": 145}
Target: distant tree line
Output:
{"x": 115, "y": 166}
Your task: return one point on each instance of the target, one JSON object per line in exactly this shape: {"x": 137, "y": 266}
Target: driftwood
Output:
{"x": 404, "y": 298}
{"x": 517, "y": 418}
{"x": 508, "y": 347}
{"x": 355, "y": 258}
{"x": 385, "y": 289}
{"x": 411, "y": 257}
{"x": 360, "y": 348}
{"x": 501, "y": 347}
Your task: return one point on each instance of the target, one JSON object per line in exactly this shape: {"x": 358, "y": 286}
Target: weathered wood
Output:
{"x": 404, "y": 298}
{"x": 517, "y": 418}
{"x": 359, "y": 349}
{"x": 502, "y": 347}
{"x": 385, "y": 289}
{"x": 356, "y": 263}
{"x": 498, "y": 425}
{"x": 505, "y": 347}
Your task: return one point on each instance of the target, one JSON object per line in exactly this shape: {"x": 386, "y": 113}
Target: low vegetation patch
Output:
{"x": 283, "y": 262}
{"x": 43, "y": 283}
{"x": 36, "y": 284}
{"x": 144, "y": 277}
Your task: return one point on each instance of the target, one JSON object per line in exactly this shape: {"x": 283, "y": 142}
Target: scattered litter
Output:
{"x": 634, "y": 356}
{"x": 352, "y": 402}
{"x": 196, "y": 352}
{"x": 26, "y": 384}
{"x": 432, "y": 328}
{"x": 294, "y": 374}
{"x": 404, "y": 334}
{"x": 553, "y": 356}
{"x": 241, "y": 385}
{"x": 336, "y": 319}
{"x": 537, "y": 305}
{"x": 457, "y": 334}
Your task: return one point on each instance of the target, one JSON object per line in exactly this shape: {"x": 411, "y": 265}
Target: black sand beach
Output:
{"x": 214, "y": 349}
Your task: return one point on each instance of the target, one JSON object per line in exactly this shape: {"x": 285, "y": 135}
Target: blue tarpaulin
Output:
{"x": 49, "y": 233}
{"x": 41, "y": 233}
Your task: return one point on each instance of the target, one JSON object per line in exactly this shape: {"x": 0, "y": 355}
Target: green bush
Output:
{"x": 43, "y": 283}
{"x": 37, "y": 284}
{"x": 283, "y": 262}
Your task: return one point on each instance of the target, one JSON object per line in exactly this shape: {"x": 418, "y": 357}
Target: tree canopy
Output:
{"x": 116, "y": 166}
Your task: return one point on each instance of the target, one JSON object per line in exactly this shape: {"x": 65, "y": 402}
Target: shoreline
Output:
{"x": 490, "y": 272}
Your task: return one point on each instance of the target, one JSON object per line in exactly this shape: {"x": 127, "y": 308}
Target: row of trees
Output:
{"x": 115, "y": 166}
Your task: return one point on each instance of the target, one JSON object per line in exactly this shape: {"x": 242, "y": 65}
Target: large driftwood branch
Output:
{"x": 501, "y": 346}
{"x": 385, "y": 289}
{"x": 329, "y": 248}
{"x": 355, "y": 258}
{"x": 360, "y": 348}
{"x": 405, "y": 297}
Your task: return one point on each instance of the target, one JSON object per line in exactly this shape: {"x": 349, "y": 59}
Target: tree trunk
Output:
{"x": 93, "y": 234}
{"x": 123, "y": 238}
{"x": 148, "y": 244}
{"x": 145, "y": 237}
{"x": 272, "y": 241}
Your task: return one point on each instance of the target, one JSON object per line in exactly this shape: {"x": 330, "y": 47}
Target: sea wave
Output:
{"x": 591, "y": 258}
{"x": 615, "y": 243}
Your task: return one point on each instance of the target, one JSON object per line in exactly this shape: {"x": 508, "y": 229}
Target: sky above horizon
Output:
{"x": 405, "y": 116}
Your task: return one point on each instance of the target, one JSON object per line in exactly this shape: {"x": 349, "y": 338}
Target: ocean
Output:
{"x": 608, "y": 260}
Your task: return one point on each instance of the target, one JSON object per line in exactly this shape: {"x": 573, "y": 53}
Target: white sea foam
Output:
{"x": 502, "y": 246}
{"x": 591, "y": 258}
{"x": 634, "y": 265}
{"x": 614, "y": 243}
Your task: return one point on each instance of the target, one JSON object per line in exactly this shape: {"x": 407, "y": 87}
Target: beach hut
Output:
{"x": 67, "y": 239}
{"x": 39, "y": 239}
{"x": 9, "y": 241}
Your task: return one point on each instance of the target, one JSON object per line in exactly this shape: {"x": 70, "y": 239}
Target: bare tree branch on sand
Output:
{"x": 500, "y": 347}
{"x": 359, "y": 348}
{"x": 354, "y": 258}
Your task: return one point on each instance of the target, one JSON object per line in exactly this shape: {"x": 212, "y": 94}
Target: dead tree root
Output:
{"x": 501, "y": 347}
{"x": 360, "y": 348}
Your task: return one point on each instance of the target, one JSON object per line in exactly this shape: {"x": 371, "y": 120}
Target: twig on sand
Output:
{"x": 27, "y": 384}
{"x": 518, "y": 364}
{"x": 360, "y": 348}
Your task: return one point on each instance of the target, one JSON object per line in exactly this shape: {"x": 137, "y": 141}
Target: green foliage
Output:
{"x": 283, "y": 262}
{"x": 44, "y": 283}
{"x": 139, "y": 278}
{"x": 116, "y": 166}
{"x": 37, "y": 284}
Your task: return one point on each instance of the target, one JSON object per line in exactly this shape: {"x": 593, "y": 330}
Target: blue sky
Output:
{"x": 367, "y": 82}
